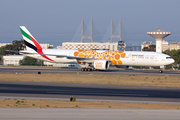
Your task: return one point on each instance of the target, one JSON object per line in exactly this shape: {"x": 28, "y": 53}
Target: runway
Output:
{"x": 13, "y": 70}
{"x": 87, "y": 114}
{"x": 110, "y": 93}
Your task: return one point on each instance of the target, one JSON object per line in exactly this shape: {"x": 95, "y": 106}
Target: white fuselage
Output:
{"x": 129, "y": 58}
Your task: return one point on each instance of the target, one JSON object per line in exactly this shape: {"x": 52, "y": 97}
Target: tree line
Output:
{"x": 16, "y": 46}
{"x": 175, "y": 54}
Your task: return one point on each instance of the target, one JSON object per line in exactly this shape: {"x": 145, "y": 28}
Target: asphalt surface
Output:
{"x": 111, "y": 93}
{"x": 12, "y": 70}
{"x": 87, "y": 114}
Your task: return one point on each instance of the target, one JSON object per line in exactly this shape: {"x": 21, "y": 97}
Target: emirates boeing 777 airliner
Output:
{"x": 92, "y": 59}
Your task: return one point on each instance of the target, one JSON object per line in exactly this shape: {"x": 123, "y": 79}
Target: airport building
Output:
{"x": 59, "y": 47}
{"x": 12, "y": 60}
{"x": 174, "y": 46}
{"x": 91, "y": 45}
{"x": 165, "y": 45}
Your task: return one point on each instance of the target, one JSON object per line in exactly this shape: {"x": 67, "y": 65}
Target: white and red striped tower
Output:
{"x": 159, "y": 35}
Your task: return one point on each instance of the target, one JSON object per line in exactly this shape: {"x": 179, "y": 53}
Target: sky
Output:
{"x": 57, "y": 21}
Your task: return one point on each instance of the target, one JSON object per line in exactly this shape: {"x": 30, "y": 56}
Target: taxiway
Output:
{"x": 13, "y": 70}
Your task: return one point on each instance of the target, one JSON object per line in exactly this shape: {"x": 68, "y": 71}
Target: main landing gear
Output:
{"x": 86, "y": 69}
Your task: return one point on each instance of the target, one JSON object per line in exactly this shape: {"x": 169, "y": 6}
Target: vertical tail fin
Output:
{"x": 29, "y": 40}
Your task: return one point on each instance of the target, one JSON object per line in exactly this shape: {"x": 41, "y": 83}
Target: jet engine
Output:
{"x": 101, "y": 64}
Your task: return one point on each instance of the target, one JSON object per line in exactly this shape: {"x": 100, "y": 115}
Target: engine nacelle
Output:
{"x": 101, "y": 64}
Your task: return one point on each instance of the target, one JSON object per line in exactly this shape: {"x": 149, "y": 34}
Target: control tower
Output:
{"x": 159, "y": 35}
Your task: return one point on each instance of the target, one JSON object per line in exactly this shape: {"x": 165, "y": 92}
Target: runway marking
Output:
{"x": 143, "y": 95}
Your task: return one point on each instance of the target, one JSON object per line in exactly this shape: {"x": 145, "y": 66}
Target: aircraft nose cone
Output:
{"x": 173, "y": 61}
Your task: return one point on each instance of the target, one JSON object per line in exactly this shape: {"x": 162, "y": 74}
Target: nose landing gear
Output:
{"x": 160, "y": 71}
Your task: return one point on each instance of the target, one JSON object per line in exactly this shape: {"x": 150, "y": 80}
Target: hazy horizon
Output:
{"x": 58, "y": 21}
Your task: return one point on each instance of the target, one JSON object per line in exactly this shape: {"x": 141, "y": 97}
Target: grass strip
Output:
{"x": 137, "y": 80}
{"x": 14, "y": 103}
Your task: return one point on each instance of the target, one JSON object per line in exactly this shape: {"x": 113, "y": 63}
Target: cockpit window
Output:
{"x": 168, "y": 58}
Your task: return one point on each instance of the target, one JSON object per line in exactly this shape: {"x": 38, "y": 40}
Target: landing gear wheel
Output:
{"x": 86, "y": 69}
{"x": 160, "y": 71}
